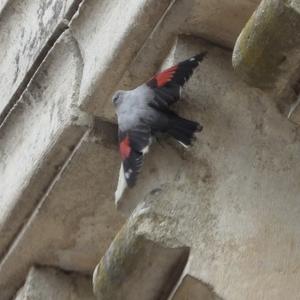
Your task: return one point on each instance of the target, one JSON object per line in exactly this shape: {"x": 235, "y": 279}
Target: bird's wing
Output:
{"x": 166, "y": 84}
{"x": 133, "y": 144}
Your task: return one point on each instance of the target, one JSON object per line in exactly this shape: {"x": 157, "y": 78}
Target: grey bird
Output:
{"x": 144, "y": 113}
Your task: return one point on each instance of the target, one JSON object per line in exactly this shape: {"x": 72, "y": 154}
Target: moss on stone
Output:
{"x": 129, "y": 254}
{"x": 119, "y": 261}
{"x": 268, "y": 37}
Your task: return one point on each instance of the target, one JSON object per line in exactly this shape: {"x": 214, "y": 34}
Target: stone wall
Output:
{"x": 217, "y": 221}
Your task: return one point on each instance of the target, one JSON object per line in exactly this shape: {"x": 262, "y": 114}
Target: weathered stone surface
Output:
{"x": 268, "y": 46}
{"x": 191, "y": 288}
{"x": 137, "y": 266}
{"x": 28, "y": 44}
{"x": 229, "y": 195}
{"x": 27, "y": 31}
{"x": 234, "y": 195}
{"x": 38, "y": 136}
{"x": 49, "y": 284}
{"x": 75, "y": 222}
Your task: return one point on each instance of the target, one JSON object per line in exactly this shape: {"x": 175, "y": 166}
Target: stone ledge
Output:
{"x": 137, "y": 266}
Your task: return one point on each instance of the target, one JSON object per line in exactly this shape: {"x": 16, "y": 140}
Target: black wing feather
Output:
{"x": 167, "y": 84}
{"x": 138, "y": 138}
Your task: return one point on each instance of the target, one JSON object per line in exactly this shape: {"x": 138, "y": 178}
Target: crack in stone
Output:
{"x": 58, "y": 32}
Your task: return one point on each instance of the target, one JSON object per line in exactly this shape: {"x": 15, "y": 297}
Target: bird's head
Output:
{"x": 117, "y": 97}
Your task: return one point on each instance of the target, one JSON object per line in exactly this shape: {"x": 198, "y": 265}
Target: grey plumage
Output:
{"x": 144, "y": 112}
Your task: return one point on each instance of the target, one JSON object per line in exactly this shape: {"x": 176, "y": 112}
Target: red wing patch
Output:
{"x": 125, "y": 148}
{"x": 165, "y": 76}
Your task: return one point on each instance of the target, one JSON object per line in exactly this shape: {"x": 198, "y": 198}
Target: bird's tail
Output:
{"x": 183, "y": 130}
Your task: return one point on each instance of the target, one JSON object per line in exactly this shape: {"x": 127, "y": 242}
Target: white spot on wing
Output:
{"x": 145, "y": 150}
{"x": 122, "y": 185}
{"x": 128, "y": 173}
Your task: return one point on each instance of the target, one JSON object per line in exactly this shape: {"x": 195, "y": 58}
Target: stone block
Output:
{"x": 28, "y": 30}
{"x": 137, "y": 266}
{"x": 38, "y": 136}
{"x": 44, "y": 283}
{"x": 74, "y": 223}
{"x": 267, "y": 49}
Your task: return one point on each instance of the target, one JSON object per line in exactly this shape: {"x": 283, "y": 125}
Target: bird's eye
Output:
{"x": 115, "y": 99}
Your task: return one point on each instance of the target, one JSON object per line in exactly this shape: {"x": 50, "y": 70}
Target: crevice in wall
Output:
{"x": 75, "y": 7}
